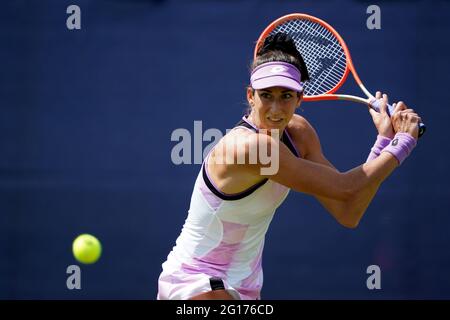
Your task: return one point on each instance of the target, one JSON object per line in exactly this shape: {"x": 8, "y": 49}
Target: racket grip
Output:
{"x": 375, "y": 104}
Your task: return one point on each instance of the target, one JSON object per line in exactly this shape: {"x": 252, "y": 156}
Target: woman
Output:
{"x": 218, "y": 253}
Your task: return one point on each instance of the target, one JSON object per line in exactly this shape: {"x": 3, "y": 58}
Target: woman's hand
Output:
{"x": 405, "y": 120}
{"x": 381, "y": 119}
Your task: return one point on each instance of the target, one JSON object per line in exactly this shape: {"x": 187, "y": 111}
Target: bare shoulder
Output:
{"x": 245, "y": 140}
{"x": 235, "y": 143}
{"x": 302, "y": 131}
{"x": 239, "y": 137}
{"x": 234, "y": 163}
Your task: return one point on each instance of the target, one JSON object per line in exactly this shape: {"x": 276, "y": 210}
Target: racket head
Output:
{"x": 325, "y": 53}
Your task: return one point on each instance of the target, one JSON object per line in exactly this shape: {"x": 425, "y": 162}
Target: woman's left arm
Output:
{"x": 348, "y": 213}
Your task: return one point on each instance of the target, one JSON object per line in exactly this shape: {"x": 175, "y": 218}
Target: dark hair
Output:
{"x": 281, "y": 47}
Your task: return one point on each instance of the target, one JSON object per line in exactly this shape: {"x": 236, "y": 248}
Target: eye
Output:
{"x": 287, "y": 96}
{"x": 265, "y": 95}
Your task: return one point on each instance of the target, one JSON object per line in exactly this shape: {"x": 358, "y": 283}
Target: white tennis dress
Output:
{"x": 223, "y": 237}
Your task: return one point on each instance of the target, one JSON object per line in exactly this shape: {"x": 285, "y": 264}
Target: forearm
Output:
{"x": 372, "y": 173}
{"x": 365, "y": 181}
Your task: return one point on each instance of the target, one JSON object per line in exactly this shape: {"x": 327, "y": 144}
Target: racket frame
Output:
{"x": 349, "y": 67}
{"x": 371, "y": 101}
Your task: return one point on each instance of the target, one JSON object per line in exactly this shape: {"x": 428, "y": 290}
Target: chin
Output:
{"x": 271, "y": 125}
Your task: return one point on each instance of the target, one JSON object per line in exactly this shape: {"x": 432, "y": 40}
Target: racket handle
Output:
{"x": 375, "y": 104}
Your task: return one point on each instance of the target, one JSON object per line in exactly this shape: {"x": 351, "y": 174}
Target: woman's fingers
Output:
{"x": 382, "y": 101}
{"x": 384, "y": 104}
{"x": 399, "y": 106}
{"x": 378, "y": 95}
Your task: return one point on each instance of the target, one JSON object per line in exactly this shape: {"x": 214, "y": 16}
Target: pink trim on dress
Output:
{"x": 250, "y": 123}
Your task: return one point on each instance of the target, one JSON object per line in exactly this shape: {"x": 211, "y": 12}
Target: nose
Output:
{"x": 275, "y": 107}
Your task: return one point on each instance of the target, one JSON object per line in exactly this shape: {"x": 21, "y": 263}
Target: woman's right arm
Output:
{"x": 320, "y": 180}
{"x": 354, "y": 188}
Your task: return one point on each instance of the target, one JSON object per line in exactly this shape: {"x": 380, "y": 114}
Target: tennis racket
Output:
{"x": 327, "y": 59}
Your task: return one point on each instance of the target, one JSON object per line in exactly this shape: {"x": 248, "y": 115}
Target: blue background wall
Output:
{"x": 85, "y": 123}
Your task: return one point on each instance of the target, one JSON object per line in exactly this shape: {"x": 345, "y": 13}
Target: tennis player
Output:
{"x": 219, "y": 251}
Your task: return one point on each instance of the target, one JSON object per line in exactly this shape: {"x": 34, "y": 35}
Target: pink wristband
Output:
{"x": 379, "y": 145}
{"x": 401, "y": 146}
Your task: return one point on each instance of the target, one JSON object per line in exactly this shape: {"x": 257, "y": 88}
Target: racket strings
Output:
{"x": 318, "y": 46}
{"x": 323, "y": 54}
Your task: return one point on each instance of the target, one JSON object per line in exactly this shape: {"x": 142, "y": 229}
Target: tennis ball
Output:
{"x": 86, "y": 248}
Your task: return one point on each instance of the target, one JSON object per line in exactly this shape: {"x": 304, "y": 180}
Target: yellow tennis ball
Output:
{"x": 86, "y": 248}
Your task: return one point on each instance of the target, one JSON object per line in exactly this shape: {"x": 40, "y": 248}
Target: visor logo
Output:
{"x": 277, "y": 69}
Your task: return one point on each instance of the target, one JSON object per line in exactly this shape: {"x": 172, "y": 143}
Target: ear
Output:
{"x": 299, "y": 99}
{"x": 250, "y": 96}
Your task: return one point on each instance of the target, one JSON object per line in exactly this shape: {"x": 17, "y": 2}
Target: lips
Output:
{"x": 276, "y": 120}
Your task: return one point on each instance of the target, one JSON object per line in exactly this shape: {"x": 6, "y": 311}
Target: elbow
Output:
{"x": 351, "y": 224}
{"x": 348, "y": 216}
{"x": 351, "y": 211}
{"x": 350, "y": 219}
